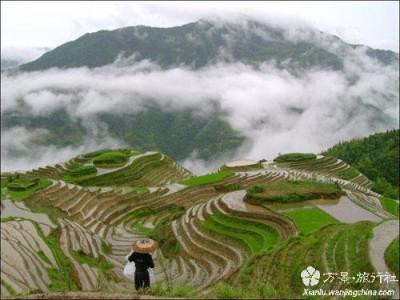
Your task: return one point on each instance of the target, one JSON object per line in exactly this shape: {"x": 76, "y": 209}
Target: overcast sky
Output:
{"x": 49, "y": 24}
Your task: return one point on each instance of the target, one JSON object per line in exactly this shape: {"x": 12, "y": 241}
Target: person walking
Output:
{"x": 140, "y": 255}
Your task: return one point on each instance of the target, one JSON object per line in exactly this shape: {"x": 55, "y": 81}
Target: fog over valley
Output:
{"x": 268, "y": 106}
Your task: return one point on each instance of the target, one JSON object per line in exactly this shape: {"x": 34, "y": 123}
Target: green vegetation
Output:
{"x": 310, "y": 219}
{"x": 83, "y": 170}
{"x": 292, "y": 191}
{"x": 21, "y": 189}
{"x": 9, "y": 288}
{"x": 110, "y": 160}
{"x": 226, "y": 188}
{"x": 377, "y": 157}
{"x": 101, "y": 263}
{"x": 64, "y": 277}
{"x": 37, "y": 205}
{"x": 160, "y": 44}
{"x": 207, "y": 179}
{"x": 162, "y": 290}
{"x": 162, "y": 230}
{"x": 130, "y": 175}
{"x": 223, "y": 290}
{"x": 295, "y": 157}
{"x": 43, "y": 256}
{"x": 22, "y": 184}
{"x": 257, "y": 236}
{"x": 392, "y": 256}
{"x": 281, "y": 267}
{"x": 100, "y": 152}
{"x": 255, "y": 166}
{"x": 348, "y": 174}
{"x": 390, "y": 205}
{"x": 148, "y": 130}
{"x": 96, "y": 153}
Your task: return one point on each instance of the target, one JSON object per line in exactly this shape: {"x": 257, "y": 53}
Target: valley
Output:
{"x": 247, "y": 230}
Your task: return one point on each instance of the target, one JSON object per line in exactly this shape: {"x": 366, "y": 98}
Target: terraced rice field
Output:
{"x": 209, "y": 235}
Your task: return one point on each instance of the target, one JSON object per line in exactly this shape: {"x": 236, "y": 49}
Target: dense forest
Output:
{"x": 377, "y": 156}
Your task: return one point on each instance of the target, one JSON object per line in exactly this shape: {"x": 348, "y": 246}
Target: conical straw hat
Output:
{"x": 144, "y": 245}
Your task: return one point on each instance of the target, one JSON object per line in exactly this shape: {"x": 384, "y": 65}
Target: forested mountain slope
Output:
{"x": 376, "y": 156}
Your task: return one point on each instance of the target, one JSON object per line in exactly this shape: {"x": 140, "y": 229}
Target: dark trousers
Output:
{"x": 142, "y": 279}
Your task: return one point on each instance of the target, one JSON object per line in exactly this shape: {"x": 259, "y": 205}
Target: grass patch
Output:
{"x": 64, "y": 277}
{"x": 161, "y": 232}
{"x": 128, "y": 176}
{"x": 103, "y": 151}
{"x": 226, "y": 188}
{"x": 295, "y": 157}
{"x": 135, "y": 190}
{"x": 22, "y": 184}
{"x": 310, "y": 219}
{"x": 37, "y": 205}
{"x": 207, "y": 179}
{"x": 390, "y": 205}
{"x": 83, "y": 170}
{"x": 161, "y": 289}
{"x": 281, "y": 267}
{"x": 110, "y": 160}
{"x": 21, "y": 194}
{"x": 257, "y": 236}
{"x": 99, "y": 262}
{"x": 348, "y": 174}
{"x": 223, "y": 290}
{"x": 292, "y": 191}
{"x": 43, "y": 256}
{"x": 392, "y": 257}
{"x": 9, "y": 288}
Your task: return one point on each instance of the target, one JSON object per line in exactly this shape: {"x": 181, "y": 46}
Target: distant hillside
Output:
{"x": 203, "y": 43}
{"x": 177, "y": 134}
{"x": 9, "y": 63}
{"x": 376, "y": 156}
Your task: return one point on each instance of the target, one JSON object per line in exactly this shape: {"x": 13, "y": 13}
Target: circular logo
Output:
{"x": 310, "y": 276}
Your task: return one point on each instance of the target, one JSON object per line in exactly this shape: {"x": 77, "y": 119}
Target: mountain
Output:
{"x": 199, "y": 44}
{"x": 9, "y": 63}
{"x": 184, "y": 130}
{"x": 376, "y": 156}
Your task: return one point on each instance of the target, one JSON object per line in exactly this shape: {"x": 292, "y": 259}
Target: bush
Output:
{"x": 295, "y": 157}
{"x": 256, "y": 189}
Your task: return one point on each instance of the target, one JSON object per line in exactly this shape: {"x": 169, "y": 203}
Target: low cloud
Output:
{"x": 276, "y": 110}
{"x": 20, "y": 152}
{"x": 22, "y": 54}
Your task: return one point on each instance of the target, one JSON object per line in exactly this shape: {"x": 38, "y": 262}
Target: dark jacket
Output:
{"x": 143, "y": 261}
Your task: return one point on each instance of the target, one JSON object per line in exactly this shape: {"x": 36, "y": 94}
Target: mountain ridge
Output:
{"x": 198, "y": 44}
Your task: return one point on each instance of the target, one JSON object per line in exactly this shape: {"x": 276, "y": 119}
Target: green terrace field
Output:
{"x": 231, "y": 234}
{"x": 18, "y": 189}
{"x": 256, "y": 236}
{"x": 310, "y": 219}
{"x": 110, "y": 160}
{"x": 336, "y": 247}
{"x": 390, "y": 205}
{"x": 208, "y": 179}
{"x": 295, "y": 157}
{"x": 292, "y": 191}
